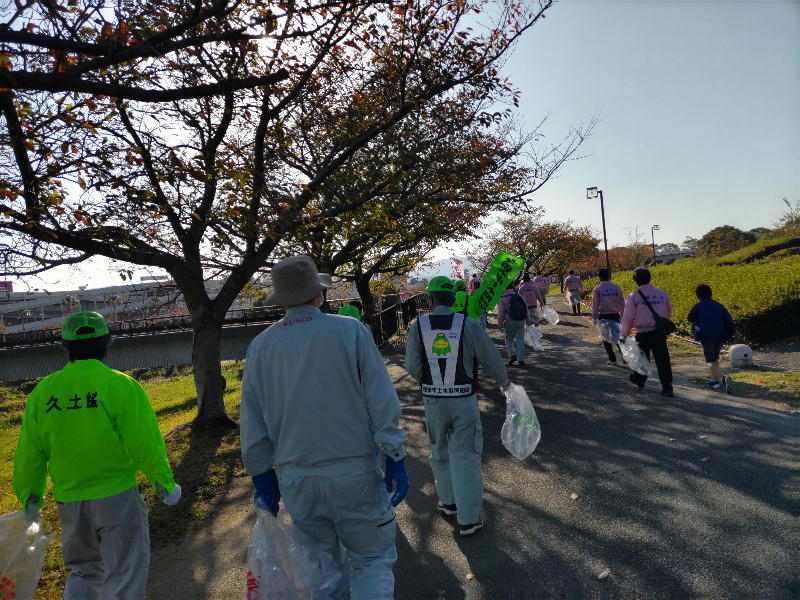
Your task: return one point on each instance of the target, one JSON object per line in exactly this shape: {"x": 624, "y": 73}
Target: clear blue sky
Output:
{"x": 699, "y": 104}
{"x": 700, "y": 114}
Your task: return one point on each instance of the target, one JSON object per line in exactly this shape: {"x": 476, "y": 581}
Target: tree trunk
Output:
{"x": 367, "y": 298}
{"x": 208, "y": 379}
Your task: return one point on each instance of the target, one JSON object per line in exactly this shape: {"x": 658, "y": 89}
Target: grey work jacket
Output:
{"x": 317, "y": 398}
{"x": 476, "y": 344}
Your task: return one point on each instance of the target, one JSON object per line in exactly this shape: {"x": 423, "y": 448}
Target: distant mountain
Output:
{"x": 443, "y": 267}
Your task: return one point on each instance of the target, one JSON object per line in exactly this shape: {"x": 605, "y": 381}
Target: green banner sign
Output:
{"x": 505, "y": 269}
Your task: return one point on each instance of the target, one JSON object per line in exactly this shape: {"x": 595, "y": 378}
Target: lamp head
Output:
{"x": 591, "y": 193}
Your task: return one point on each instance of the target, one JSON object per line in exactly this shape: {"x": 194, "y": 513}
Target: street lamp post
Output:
{"x": 592, "y": 193}
{"x": 653, "y": 229}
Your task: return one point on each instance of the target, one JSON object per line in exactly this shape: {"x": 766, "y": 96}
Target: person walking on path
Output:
{"x": 638, "y": 315}
{"x": 608, "y": 303}
{"x": 512, "y": 316}
{"x": 91, "y": 429}
{"x": 440, "y": 354}
{"x": 318, "y": 403}
{"x": 473, "y": 284}
{"x": 572, "y": 287}
{"x": 542, "y": 287}
{"x": 460, "y": 290}
{"x": 713, "y": 326}
{"x": 530, "y": 294}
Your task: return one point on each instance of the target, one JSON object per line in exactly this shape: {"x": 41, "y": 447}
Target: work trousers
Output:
{"x": 542, "y": 295}
{"x": 106, "y": 545}
{"x": 655, "y": 343}
{"x": 454, "y": 427}
{"x": 350, "y": 517}
{"x": 515, "y": 338}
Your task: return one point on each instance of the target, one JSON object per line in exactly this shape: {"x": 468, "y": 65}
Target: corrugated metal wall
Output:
{"x": 137, "y": 352}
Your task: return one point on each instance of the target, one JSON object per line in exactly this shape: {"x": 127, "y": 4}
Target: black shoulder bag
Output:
{"x": 663, "y": 324}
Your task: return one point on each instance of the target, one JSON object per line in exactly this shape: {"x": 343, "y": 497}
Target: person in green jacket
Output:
{"x": 91, "y": 428}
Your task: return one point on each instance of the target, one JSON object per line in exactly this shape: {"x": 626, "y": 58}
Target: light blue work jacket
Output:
{"x": 317, "y": 398}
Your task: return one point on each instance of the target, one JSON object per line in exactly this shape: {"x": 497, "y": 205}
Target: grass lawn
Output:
{"x": 773, "y": 385}
{"x": 203, "y": 462}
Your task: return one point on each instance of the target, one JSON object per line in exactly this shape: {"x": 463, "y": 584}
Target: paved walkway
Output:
{"x": 629, "y": 495}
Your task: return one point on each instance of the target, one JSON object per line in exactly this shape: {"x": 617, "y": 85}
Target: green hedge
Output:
{"x": 762, "y": 296}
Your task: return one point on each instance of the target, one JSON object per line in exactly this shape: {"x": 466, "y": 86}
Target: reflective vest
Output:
{"x": 443, "y": 367}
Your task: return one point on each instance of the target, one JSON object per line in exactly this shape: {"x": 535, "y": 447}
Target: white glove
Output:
{"x": 505, "y": 389}
{"x": 172, "y": 499}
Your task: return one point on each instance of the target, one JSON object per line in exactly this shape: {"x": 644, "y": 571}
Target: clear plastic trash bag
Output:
{"x": 635, "y": 357}
{"x": 533, "y": 337}
{"x": 608, "y": 330}
{"x": 550, "y": 315}
{"x": 521, "y": 432}
{"x": 22, "y": 546}
{"x": 280, "y": 565}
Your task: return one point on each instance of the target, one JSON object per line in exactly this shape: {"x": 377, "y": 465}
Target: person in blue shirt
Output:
{"x": 713, "y": 326}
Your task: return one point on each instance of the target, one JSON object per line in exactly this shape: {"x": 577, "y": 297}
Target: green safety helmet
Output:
{"x": 461, "y": 301}
{"x": 93, "y": 324}
{"x": 460, "y": 285}
{"x": 440, "y": 283}
{"x": 350, "y": 311}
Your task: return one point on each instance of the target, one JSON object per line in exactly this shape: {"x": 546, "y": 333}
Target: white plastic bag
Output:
{"x": 281, "y": 566}
{"x": 635, "y": 357}
{"x": 608, "y": 330}
{"x": 550, "y": 315}
{"x": 521, "y": 432}
{"x": 533, "y": 337}
{"x": 22, "y": 546}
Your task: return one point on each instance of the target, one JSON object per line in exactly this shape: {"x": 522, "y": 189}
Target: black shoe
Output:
{"x": 447, "y": 509}
{"x": 512, "y": 360}
{"x": 667, "y": 393}
{"x": 469, "y": 529}
{"x": 635, "y": 381}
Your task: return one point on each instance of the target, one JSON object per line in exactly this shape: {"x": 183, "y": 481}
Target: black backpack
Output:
{"x": 517, "y": 309}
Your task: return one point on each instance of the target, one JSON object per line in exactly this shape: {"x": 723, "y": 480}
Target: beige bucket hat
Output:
{"x": 295, "y": 280}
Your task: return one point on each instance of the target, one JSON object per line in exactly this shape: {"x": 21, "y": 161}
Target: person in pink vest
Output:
{"x": 531, "y": 296}
{"x": 573, "y": 286}
{"x": 542, "y": 287}
{"x": 637, "y": 315}
{"x": 608, "y": 302}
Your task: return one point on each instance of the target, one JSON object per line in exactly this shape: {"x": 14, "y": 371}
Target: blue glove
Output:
{"x": 396, "y": 471}
{"x": 267, "y": 492}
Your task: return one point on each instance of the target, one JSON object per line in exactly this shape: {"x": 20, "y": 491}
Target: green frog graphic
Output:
{"x": 441, "y": 347}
